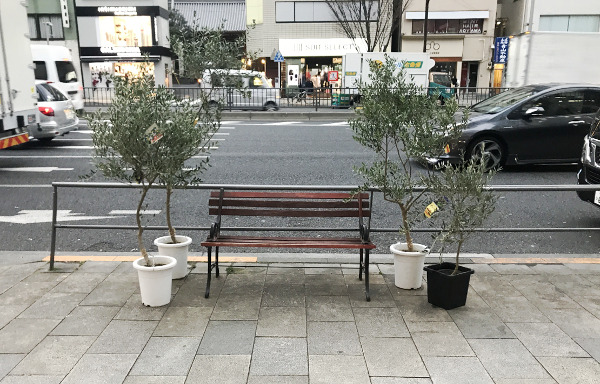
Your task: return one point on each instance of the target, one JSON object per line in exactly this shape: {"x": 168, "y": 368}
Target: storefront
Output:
{"x": 116, "y": 40}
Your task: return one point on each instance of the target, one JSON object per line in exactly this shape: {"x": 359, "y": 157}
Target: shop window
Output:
{"x": 125, "y": 31}
{"x": 448, "y": 26}
{"x": 42, "y": 27}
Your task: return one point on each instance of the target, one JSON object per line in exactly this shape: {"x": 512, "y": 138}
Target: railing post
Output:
{"x": 53, "y": 235}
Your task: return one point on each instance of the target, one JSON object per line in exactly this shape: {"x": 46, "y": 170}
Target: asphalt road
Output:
{"x": 260, "y": 152}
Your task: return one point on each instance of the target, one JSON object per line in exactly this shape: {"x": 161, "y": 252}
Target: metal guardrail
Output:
{"x": 345, "y": 188}
{"x": 291, "y": 97}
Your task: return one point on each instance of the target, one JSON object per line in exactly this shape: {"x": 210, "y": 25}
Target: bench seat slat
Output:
{"x": 282, "y": 195}
{"x": 353, "y": 204}
{"x": 287, "y": 242}
{"x": 286, "y": 213}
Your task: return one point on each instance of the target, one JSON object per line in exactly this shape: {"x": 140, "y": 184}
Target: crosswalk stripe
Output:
{"x": 283, "y": 123}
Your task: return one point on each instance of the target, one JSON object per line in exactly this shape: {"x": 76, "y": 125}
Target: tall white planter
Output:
{"x": 156, "y": 281}
{"x": 179, "y": 251}
{"x": 408, "y": 266}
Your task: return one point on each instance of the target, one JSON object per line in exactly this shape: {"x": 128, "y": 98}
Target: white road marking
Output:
{"x": 82, "y": 131}
{"x": 45, "y": 216}
{"x": 55, "y": 140}
{"x": 229, "y": 122}
{"x": 67, "y": 157}
{"x": 35, "y": 169}
{"x": 132, "y": 212}
{"x": 283, "y": 123}
{"x": 25, "y": 186}
{"x": 335, "y": 124}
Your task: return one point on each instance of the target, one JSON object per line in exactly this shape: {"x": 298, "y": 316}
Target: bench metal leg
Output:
{"x": 368, "y": 295}
{"x": 360, "y": 266}
{"x": 208, "y": 275}
{"x": 217, "y": 261}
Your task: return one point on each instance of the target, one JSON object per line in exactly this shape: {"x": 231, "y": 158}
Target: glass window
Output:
{"x": 40, "y": 70}
{"x": 417, "y": 27}
{"x": 554, "y": 23}
{"x": 125, "y": 31}
{"x": 66, "y": 72}
{"x": 591, "y": 101}
{"x": 33, "y": 27}
{"x": 304, "y": 11}
{"x": 445, "y": 26}
{"x": 453, "y": 26}
{"x": 322, "y": 12}
{"x": 284, "y": 11}
{"x": 46, "y": 92}
{"x": 503, "y": 100}
{"x": 559, "y": 104}
{"x": 584, "y": 23}
{"x": 51, "y": 26}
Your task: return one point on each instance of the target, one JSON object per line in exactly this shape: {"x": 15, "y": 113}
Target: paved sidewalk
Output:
{"x": 278, "y": 322}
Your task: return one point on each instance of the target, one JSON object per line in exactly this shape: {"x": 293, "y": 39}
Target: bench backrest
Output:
{"x": 289, "y": 204}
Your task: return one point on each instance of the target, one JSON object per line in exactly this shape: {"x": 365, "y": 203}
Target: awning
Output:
{"x": 449, "y": 15}
{"x": 232, "y": 15}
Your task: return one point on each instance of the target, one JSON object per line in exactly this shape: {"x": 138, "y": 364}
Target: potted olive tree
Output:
{"x": 463, "y": 204}
{"x": 143, "y": 137}
{"x": 400, "y": 123}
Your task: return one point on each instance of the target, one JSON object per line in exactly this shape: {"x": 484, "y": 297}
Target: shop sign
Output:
{"x": 413, "y": 64}
{"x": 121, "y": 51}
{"x": 119, "y": 11}
{"x": 320, "y": 47}
{"x": 333, "y": 76}
{"x": 471, "y": 26}
{"x": 501, "y": 50}
{"x": 64, "y": 7}
{"x": 436, "y": 48}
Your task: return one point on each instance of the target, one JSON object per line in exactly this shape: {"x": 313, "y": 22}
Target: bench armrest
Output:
{"x": 364, "y": 234}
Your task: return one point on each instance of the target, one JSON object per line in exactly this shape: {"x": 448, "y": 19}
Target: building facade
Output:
{"x": 460, "y": 37}
{"x": 115, "y": 38}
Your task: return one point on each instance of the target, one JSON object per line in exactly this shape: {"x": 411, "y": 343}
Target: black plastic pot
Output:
{"x": 445, "y": 290}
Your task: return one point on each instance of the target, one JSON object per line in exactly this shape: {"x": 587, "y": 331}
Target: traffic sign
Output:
{"x": 278, "y": 58}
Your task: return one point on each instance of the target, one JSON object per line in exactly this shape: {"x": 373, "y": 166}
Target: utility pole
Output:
{"x": 425, "y": 26}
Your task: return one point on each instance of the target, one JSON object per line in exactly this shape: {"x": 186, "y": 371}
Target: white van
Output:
{"x": 240, "y": 89}
{"x": 54, "y": 64}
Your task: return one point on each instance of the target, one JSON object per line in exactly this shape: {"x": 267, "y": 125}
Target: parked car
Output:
{"x": 240, "y": 89}
{"x": 543, "y": 123}
{"x": 589, "y": 166}
{"x": 56, "y": 113}
{"x": 440, "y": 86}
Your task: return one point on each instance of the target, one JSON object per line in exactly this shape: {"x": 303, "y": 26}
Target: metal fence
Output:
{"x": 498, "y": 188}
{"x": 268, "y": 98}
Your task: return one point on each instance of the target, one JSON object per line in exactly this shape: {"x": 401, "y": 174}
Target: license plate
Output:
{"x": 597, "y": 198}
{"x": 70, "y": 114}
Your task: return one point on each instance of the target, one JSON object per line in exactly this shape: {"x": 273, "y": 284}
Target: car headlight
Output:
{"x": 586, "y": 152}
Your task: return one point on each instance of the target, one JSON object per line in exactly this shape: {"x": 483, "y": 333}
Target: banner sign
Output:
{"x": 501, "y": 50}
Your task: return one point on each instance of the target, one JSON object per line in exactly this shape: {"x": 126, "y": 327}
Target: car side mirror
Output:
{"x": 534, "y": 111}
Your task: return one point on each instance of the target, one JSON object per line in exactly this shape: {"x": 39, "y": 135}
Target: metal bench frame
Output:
{"x": 303, "y": 204}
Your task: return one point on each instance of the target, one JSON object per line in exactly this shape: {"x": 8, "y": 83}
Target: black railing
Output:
{"x": 291, "y": 97}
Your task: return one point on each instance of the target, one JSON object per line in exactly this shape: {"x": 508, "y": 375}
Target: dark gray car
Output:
{"x": 543, "y": 123}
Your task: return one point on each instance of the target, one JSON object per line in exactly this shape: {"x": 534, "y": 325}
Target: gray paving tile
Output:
{"x": 456, "y": 370}
{"x": 275, "y": 270}
{"x": 37, "y": 379}
{"x": 124, "y": 336}
{"x": 575, "y": 322}
{"x": 400, "y": 380}
{"x": 166, "y": 356}
{"x": 285, "y": 278}
{"x": 99, "y": 266}
{"x": 243, "y": 285}
{"x": 584, "y": 269}
{"x": 576, "y": 285}
{"x": 219, "y": 369}
{"x": 155, "y": 380}
{"x": 111, "y": 293}
{"x": 235, "y": 307}
{"x": 388, "y": 356}
{"x": 86, "y": 321}
{"x": 283, "y": 295}
{"x": 552, "y": 269}
{"x": 183, "y": 321}
{"x": 476, "y": 323}
{"x": 546, "y": 339}
{"x": 80, "y": 282}
{"x": 507, "y": 359}
{"x": 333, "y": 338}
{"x": 228, "y": 338}
{"x": 282, "y": 321}
{"x": 134, "y": 309}
{"x": 53, "y": 306}
{"x": 338, "y": 369}
{"x": 45, "y": 276}
{"x": 572, "y": 370}
{"x": 191, "y": 294}
{"x": 590, "y": 303}
{"x": 380, "y": 296}
{"x": 101, "y": 369}
{"x": 8, "y": 362}
{"x": 380, "y": 322}
{"x": 442, "y": 339}
{"x": 323, "y": 271}
{"x": 351, "y": 278}
{"x": 328, "y": 308}
{"x": 55, "y": 355}
{"x": 516, "y": 310}
{"x": 22, "y": 335}
{"x": 10, "y": 312}
{"x": 591, "y": 346}
{"x": 416, "y": 308}
{"x": 24, "y": 293}
{"x": 513, "y": 269}
{"x": 279, "y": 356}
{"x": 544, "y": 294}
{"x": 526, "y": 381}
{"x": 277, "y": 379}
{"x": 493, "y": 286}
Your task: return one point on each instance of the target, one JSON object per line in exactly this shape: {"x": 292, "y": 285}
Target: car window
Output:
{"x": 66, "y": 72}
{"x": 558, "y": 104}
{"x": 503, "y": 100}
{"x": 40, "y": 70}
{"x": 591, "y": 101}
{"x": 47, "y": 92}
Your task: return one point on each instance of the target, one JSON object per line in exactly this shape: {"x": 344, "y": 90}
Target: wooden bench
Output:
{"x": 290, "y": 205}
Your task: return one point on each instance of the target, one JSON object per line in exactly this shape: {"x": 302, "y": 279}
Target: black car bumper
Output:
{"x": 587, "y": 175}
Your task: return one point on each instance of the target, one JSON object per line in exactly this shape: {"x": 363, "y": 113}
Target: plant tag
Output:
{"x": 447, "y": 149}
{"x": 153, "y": 136}
{"x": 430, "y": 210}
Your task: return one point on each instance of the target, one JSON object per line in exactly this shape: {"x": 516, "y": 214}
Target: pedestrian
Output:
{"x": 95, "y": 82}
{"x": 108, "y": 82}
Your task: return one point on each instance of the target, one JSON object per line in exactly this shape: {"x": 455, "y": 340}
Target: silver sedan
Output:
{"x": 56, "y": 113}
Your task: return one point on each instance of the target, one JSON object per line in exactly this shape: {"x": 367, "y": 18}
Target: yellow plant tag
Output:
{"x": 431, "y": 208}
{"x": 447, "y": 148}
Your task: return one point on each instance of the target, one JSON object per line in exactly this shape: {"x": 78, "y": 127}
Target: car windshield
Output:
{"x": 442, "y": 79}
{"x": 503, "y": 100}
{"x": 66, "y": 72}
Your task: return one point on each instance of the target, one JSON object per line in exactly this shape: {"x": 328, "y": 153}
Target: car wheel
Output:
{"x": 488, "y": 148}
{"x": 271, "y": 106}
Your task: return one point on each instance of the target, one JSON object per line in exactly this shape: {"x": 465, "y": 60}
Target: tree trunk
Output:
{"x": 138, "y": 219}
{"x": 460, "y": 242}
{"x": 168, "y": 214}
{"x": 406, "y": 229}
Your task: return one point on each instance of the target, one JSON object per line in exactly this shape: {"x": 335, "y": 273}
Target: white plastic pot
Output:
{"x": 155, "y": 282}
{"x": 408, "y": 266}
{"x": 179, "y": 251}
